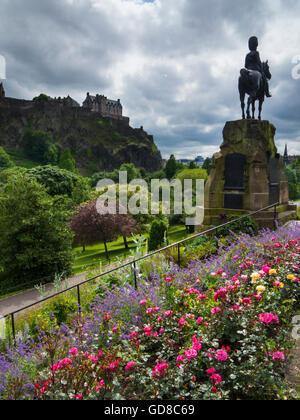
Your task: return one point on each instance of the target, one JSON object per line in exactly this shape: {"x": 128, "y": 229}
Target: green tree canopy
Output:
{"x": 132, "y": 171}
{"x": 198, "y": 173}
{"x": 66, "y": 161}
{"x": 35, "y": 240}
{"x": 171, "y": 167}
{"x": 5, "y": 160}
{"x": 157, "y": 234}
{"x": 61, "y": 182}
{"x": 38, "y": 146}
{"x": 294, "y": 183}
{"x": 207, "y": 165}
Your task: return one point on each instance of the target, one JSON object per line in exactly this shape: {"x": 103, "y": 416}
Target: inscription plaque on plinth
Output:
{"x": 274, "y": 177}
{"x": 234, "y": 171}
{"x": 233, "y": 201}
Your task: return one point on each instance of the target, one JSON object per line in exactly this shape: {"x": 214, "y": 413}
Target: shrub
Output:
{"x": 157, "y": 234}
{"x": 246, "y": 225}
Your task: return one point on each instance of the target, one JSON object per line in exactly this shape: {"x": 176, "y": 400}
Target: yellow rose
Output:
{"x": 281, "y": 286}
{"x": 272, "y": 271}
{"x": 255, "y": 276}
{"x": 291, "y": 277}
{"x": 260, "y": 289}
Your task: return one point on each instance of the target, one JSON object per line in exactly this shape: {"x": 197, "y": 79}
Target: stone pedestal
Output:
{"x": 247, "y": 174}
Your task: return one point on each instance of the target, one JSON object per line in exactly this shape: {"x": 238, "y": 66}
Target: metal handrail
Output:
{"x": 134, "y": 262}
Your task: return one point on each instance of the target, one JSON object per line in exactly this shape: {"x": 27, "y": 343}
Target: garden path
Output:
{"x": 20, "y": 300}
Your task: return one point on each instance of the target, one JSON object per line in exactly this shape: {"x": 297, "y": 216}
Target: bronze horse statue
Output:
{"x": 252, "y": 83}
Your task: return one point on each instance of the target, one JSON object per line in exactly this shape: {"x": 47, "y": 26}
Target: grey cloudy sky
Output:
{"x": 173, "y": 63}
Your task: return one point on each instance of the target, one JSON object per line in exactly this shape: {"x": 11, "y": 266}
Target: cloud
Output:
{"x": 174, "y": 65}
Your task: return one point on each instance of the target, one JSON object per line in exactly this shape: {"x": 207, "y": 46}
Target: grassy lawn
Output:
{"x": 95, "y": 255}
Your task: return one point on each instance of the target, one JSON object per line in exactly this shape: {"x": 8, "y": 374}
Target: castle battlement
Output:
{"x": 98, "y": 105}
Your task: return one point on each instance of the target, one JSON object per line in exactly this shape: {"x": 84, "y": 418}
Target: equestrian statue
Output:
{"x": 253, "y": 80}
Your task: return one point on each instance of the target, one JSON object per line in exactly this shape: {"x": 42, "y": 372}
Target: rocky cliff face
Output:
{"x": 96, "y": 143}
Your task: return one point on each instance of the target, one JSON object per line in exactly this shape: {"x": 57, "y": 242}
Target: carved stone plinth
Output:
{"x": 247, "y": 174}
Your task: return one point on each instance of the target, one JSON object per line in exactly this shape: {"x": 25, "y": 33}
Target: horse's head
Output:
{"x": 266, "y": 69}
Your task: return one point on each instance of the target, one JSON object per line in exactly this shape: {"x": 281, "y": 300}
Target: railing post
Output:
{"x": 134, "y": 274}
{"x": 13, "y": 328}
{"x": 78, "y": 299}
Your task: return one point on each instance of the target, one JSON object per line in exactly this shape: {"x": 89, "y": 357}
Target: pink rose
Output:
{"x": 73, "y": 351}
{"x": 191, "y": 354}
{"x": 130, "y": 365}
{"x": 222, "y": 355}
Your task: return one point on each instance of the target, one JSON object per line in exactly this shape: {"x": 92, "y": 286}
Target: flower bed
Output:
{"x": 218, "y": 330}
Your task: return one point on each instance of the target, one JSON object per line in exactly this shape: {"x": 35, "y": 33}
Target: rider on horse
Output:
{"x": 253, "y": 62}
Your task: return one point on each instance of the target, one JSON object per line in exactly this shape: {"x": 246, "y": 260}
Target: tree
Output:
{"x": 42, "y": 98}
{"x": 192, "y": 165}
{"x": 126, "y": 226}
{"x": 62, "y": 182}
{"x": 132, "y": 171}
{"x": 5, "y": 160}
{"x": 207, "y": 165}
{"x": 66, "y": 161}
{"x": 294, "y": 188}
{"x": 90, "y": 227}
{"x": 36, "y": 145}
{"x": 35, "y": 240}
{"x": 171, "y": 167}
{"x": 157, "y": 234}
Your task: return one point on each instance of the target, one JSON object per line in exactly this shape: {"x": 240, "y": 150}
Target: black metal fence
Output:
{"x": 133, "y": 263}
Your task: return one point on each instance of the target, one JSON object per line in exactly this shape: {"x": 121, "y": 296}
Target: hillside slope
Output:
{"x": 97, "y": 143}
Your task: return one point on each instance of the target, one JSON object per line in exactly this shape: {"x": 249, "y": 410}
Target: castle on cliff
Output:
{"x": 99, "y": 105}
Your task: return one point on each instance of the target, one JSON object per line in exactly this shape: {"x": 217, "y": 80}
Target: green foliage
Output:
{"x": 200, "y": 249}
{"x": 293, "y": 176}
{"x": 5, "y": 160}
{"x": 42, "y": 97}
{"x": 197, "y": 173}
{"x": 52, "y": 153}
{"x": 98, "y": 176}
{"x": 157, "y": 234}
{"x": 35, "y": 240}
{"x": 171, "y": 167}
{"x": 132, "y": 171}
{"x": 66, "y": 161}
{"x": 247, "y": 225}
{"x": 62, "y": 182}
{"x": 192, "y": 165}
{"x": 207, "y": 165}
{"x": 38, "y": 145}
